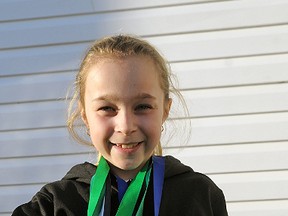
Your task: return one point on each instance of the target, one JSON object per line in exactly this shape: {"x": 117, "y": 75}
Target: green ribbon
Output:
{"x": 128, "y": 203}
{"x": 97, "y": 190}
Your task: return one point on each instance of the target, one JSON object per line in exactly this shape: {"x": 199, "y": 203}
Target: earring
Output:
{"x": 88, "y": 131}
{"x": 162, "y": 128}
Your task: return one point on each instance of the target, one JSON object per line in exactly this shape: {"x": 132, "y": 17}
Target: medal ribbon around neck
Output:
{"x": 97, "y": 191}
{"x": 127, "y": 205}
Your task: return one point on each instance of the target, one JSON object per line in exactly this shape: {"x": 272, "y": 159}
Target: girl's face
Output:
{"x": 124, "y": 110}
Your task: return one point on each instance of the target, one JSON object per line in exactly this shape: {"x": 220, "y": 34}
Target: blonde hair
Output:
{"x": 118, "y": 46}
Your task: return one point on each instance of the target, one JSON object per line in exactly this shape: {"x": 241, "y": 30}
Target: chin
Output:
{"x": 129, "y": 166}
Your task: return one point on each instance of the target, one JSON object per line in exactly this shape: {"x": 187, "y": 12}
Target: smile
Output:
{"x": 127, "y": 145}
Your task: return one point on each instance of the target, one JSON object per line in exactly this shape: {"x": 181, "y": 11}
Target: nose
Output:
{"x": 125, "y": 123}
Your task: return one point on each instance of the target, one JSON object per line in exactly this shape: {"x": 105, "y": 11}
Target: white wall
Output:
{"x": 231, "y": 58}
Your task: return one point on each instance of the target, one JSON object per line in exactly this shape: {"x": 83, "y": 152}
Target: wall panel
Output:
{"x": 231, "y": 72}
{"x": 38, "y": 87}
{"x": 177, "y": 48}
{"x": 39, "y": 142}
{"x": 259, "y": 208}
{"x": 166, "y": 20}
{"x": 242, "y": 158}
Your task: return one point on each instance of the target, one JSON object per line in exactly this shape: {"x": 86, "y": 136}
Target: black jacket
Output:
{"x": 185, "y": 192}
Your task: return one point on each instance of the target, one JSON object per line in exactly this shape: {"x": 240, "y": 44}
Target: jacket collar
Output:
{"x": 84, "y": 172}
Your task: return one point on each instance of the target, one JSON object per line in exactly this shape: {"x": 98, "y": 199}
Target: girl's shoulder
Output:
{"x": 183, "y": 175}
{"x": 81, "y": 173}
{"x": 188, "y": 191}
{"x": 62, "y": 195}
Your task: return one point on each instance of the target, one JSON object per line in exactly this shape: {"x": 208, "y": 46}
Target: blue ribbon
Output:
{"x": 158, "y": 181}
{"x": 122, "y": 187}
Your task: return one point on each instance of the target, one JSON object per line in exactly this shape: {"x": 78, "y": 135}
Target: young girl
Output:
{"x": 123, "y": 97}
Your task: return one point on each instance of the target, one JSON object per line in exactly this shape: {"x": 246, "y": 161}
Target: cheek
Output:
{"x": 100, "y": 129}
{"x": 152, "y": 128}
{"x": 99, "y": 138}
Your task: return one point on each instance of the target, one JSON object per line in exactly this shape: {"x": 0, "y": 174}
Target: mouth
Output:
{"x": 130, "y": 145}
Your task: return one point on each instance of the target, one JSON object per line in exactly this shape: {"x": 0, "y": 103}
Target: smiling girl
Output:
{"x": 122, "y": 92}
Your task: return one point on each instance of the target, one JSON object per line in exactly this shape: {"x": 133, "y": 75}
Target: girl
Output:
{"x": 123, "y": 98}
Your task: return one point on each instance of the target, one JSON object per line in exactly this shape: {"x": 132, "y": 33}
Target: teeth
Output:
{"x": 127, "y": 146}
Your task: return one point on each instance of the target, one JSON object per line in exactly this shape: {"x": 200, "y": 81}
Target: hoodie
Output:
{"x": 185, "y": 192}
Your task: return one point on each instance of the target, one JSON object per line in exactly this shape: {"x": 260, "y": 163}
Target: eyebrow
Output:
{"x": 115, "y": 98}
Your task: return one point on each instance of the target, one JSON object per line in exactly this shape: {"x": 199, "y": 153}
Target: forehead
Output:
{"x": 123, "y": 76}
{"x": 131, "y": 66}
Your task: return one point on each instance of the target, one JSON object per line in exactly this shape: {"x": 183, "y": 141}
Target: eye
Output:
{"x": 143, "y": 107}
{"x": 106, "y": 109}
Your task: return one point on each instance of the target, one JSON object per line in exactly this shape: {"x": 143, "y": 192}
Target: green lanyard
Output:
{"x": 127, "y": 205}
{"x": 97, "y": 190}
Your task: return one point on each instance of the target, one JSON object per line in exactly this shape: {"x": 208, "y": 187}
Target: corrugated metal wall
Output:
{"x": 231, "y": 58}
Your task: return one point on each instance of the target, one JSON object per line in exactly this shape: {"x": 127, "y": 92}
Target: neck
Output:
{"x": 126, "y": 175}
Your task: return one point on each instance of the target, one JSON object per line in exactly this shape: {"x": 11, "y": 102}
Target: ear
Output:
{"x": 83, "y": 114}
{"x": 167, "y": 106}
